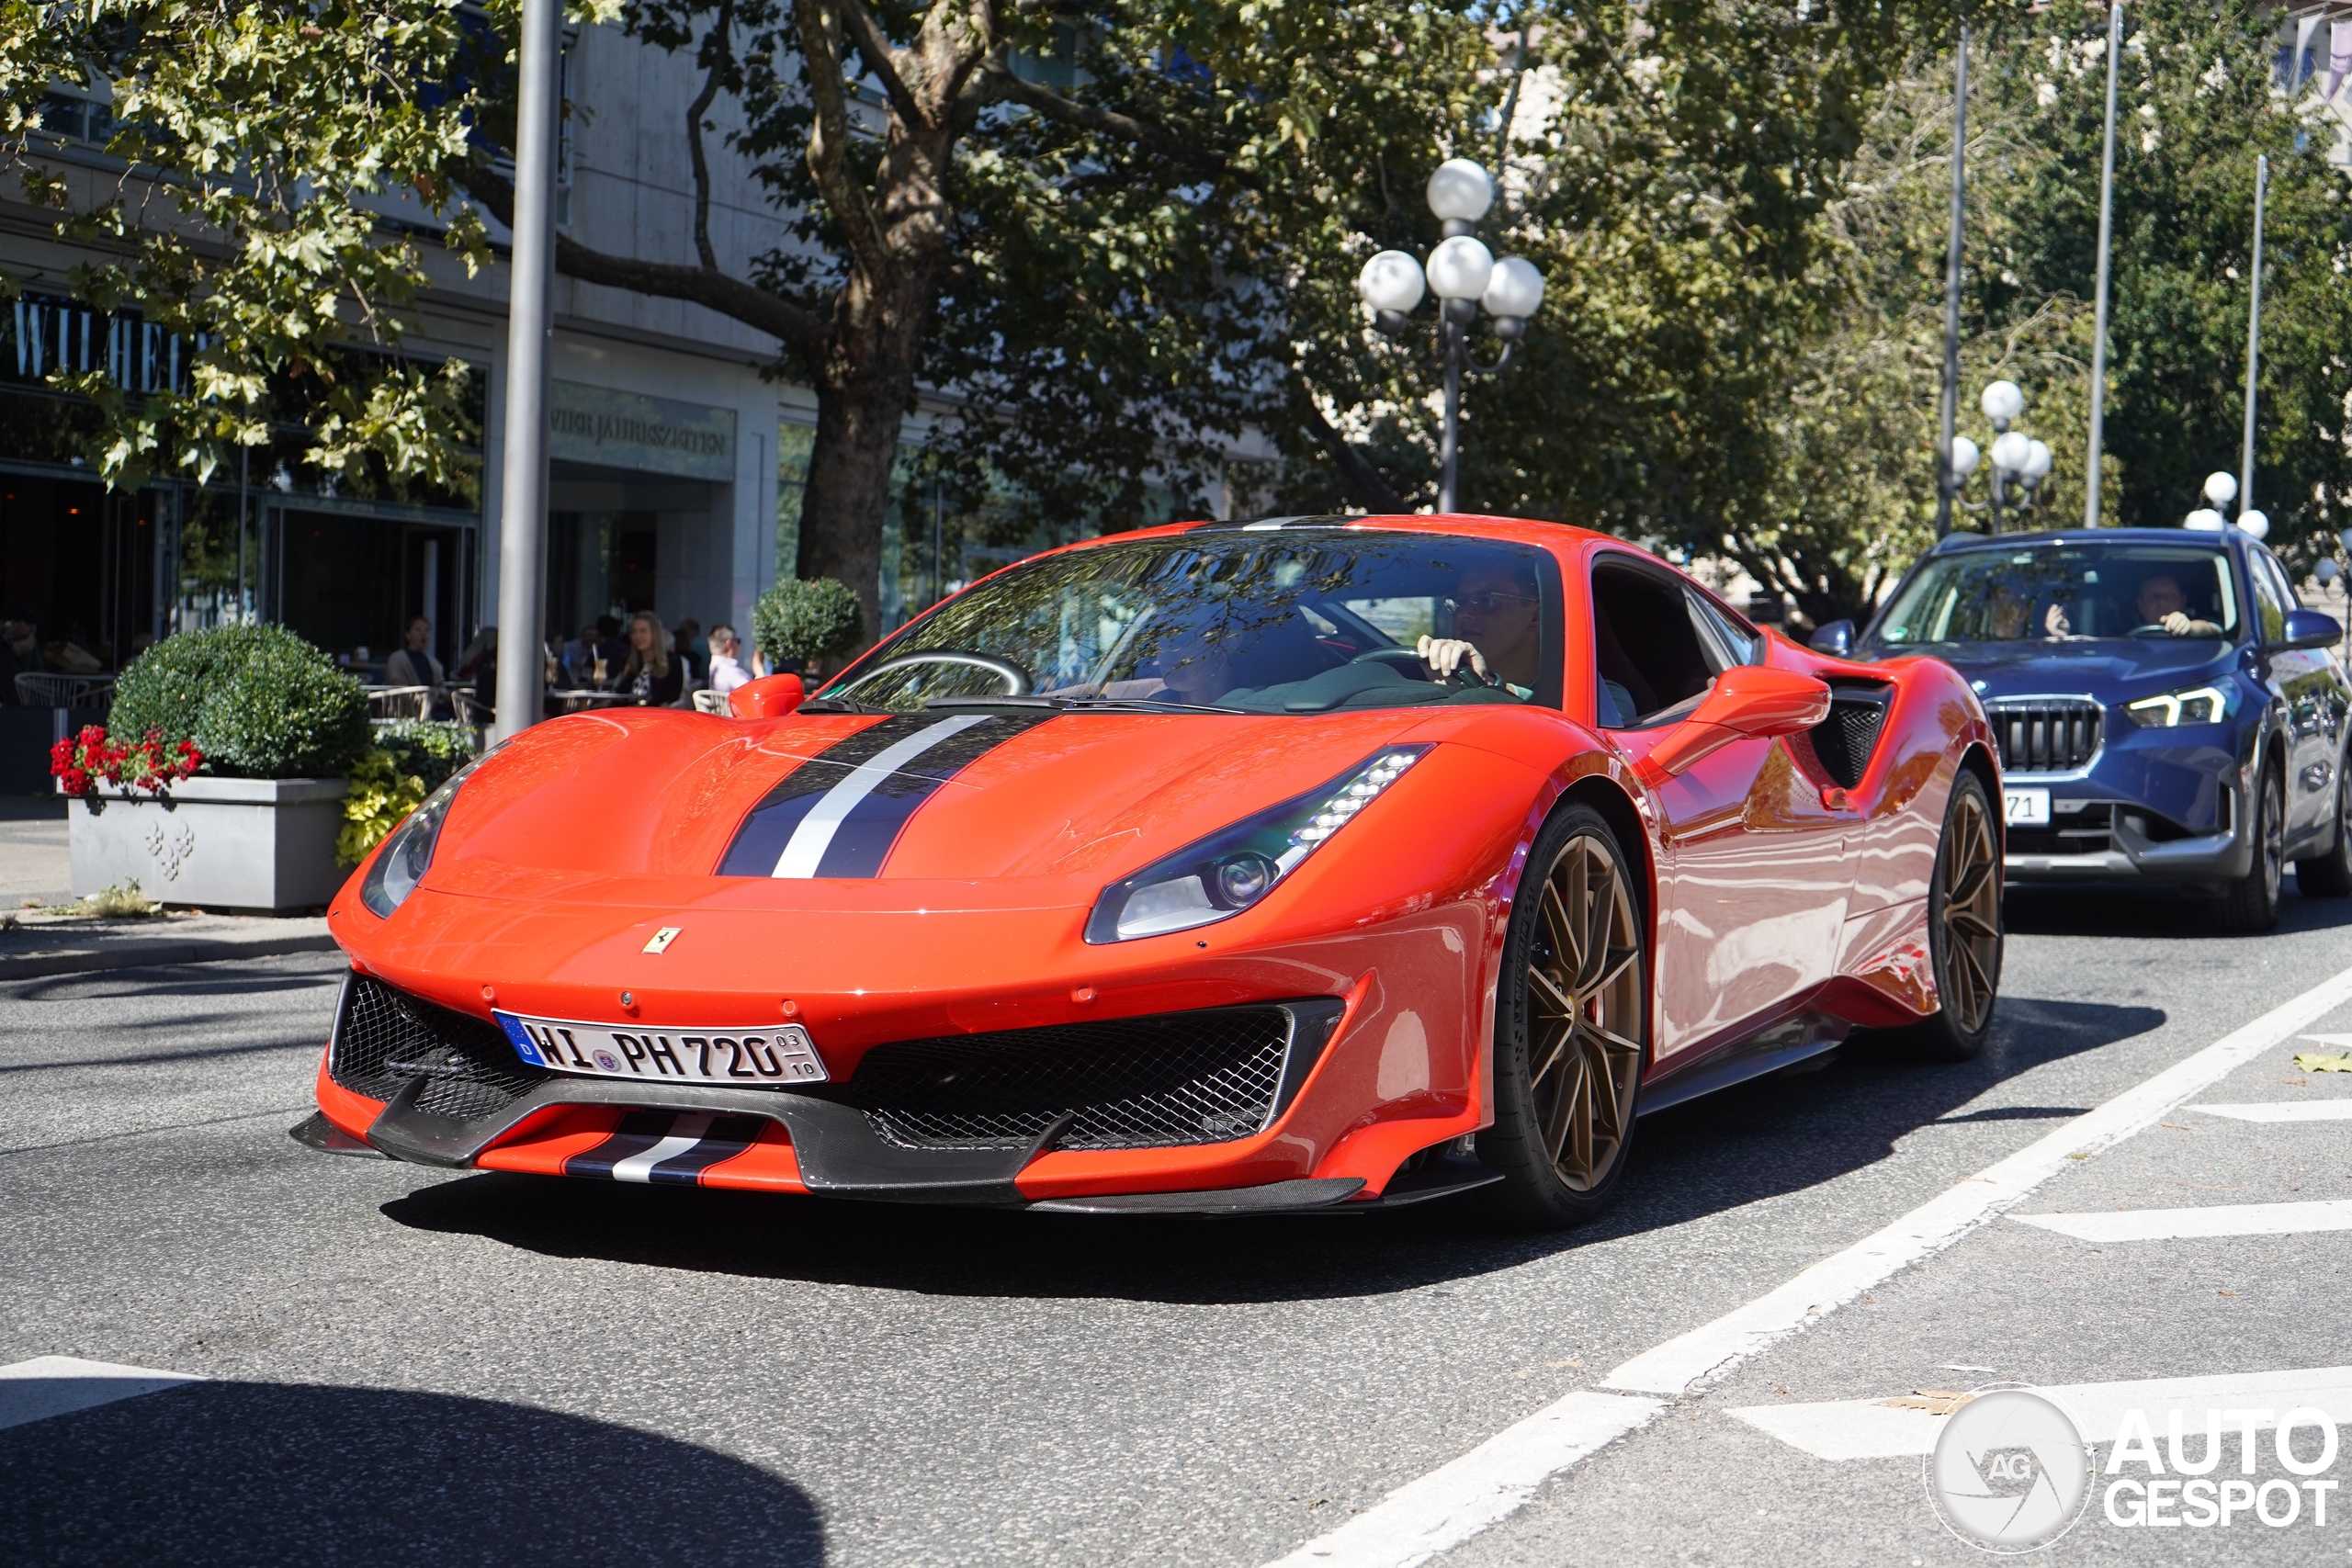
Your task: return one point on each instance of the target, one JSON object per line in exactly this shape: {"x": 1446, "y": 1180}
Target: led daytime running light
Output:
{"x": 2169, "y": 710}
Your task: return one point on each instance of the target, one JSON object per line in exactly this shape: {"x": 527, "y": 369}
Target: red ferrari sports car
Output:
{"x": 1315, "y": 862}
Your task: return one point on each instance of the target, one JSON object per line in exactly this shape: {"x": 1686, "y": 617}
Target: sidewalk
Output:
{"x": 33, "y": 944}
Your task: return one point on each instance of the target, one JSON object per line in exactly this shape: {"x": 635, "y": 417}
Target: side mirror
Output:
{"x": 770, "y": 697}
{"x": 1836, "y": 639}
{"x": 2311, "y": 628}
{"x": 1749, "y": 701}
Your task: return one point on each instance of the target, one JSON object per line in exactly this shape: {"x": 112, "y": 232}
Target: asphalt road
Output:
{"x": 459, "y": 1369}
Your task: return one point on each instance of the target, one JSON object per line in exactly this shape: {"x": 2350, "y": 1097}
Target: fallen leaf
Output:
{"x": 1934, "y": 1401}
{"x": 2313, "y": 1062}
{"x": 2194, "y": 1186}
{"x": 1570, "y": 1361}
{"x": 2294, "y": 1083}
{"x": 2226, "y": 1292}
{"x": 2175, "y": 1126}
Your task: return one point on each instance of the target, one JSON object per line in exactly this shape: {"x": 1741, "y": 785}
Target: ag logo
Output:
{"x": 2010, "y": 1471}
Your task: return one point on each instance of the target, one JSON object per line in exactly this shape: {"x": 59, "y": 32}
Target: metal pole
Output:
{"x": 522, "y": 490}
{"x": 244, "y": 509}
{"x": 1948, "y": 482}
{"x": 2106, "y": 237}
{"x": 2252, "y": 339}
{"x": 1450, "y": 442}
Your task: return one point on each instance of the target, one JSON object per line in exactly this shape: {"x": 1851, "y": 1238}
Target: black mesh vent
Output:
{"x": 1188, "y": 1078}
{"x": 1844, "y": 739}
{"x": 2047, "y": 735}
{"x": 384, "y": 1039}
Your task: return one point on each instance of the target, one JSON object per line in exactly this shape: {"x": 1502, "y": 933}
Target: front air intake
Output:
{"x": 2047, "y": 735}
{"x": 386, "y": 1040}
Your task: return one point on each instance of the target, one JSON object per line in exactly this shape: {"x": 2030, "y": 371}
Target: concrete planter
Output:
{"x": 216, "y": 843}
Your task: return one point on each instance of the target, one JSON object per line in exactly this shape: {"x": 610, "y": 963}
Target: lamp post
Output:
{"x": 2018, "y": 460}
{"x": 1948, "y": 478}
{"x": 2106, "y": 240}
{"x": 1464, "y": 274}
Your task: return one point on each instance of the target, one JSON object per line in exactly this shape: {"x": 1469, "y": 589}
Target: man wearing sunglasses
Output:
{"x": 1498, "y": 633}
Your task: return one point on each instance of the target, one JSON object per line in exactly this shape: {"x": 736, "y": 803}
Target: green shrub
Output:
{"x": 259, "y": 702}
{"x": 807, "y": 619}
{"x": 427, "y": 749}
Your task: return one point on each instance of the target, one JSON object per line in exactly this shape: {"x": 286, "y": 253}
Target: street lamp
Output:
{"x": 2018, "y": 460}
{"x": 1464, "y": 274}
{"x": 2220, "y": 488}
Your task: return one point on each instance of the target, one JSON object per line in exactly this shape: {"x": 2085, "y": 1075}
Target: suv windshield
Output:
{"x": 1297, "y": 621}
{"x": 2063, "y": 591}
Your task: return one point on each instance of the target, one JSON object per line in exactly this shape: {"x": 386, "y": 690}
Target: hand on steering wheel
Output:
{"x": 1454, "y": 659}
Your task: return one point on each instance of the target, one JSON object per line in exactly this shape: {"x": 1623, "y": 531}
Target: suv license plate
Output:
{"x": 758, "y": 1055}
{"x": 2027, "y": 808}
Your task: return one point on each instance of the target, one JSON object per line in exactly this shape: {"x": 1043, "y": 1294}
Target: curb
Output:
{"x": 153, "y": 955}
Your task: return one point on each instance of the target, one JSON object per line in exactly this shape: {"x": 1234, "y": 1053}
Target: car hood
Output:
{"x": 589, "y": 807}
{"x": 2103, "y": 667}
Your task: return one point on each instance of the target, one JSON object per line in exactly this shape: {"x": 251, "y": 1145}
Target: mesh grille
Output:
{"x": 2047, "y": 735}
{"x": 385, "y": 1039}
{"x": 1190, "y": 1078}
{"x": 1844, "y": 739}
{"x": 2086, "y": 832}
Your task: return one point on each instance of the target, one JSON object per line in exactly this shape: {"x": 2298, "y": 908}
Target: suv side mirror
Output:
{"x": 770, "y": 697}
{"x": 1747, "y": 701}
{"x": 2311, "y": 628}
{"x": 1836, "y": 639}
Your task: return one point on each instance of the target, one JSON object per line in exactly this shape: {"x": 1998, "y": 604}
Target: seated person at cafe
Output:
{"x": 414, "y": 665}
{"x": 651, "y": 675}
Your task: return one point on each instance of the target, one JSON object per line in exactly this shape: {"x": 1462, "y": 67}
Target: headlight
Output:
{"x": 1228, "y": 872}
{"x": 2206, "y": 704}
{"x": 409, "y": 851}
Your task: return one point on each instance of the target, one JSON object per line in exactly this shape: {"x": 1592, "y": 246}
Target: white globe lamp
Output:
{"x": 2002, "y": 402}
{"x": 1964, "y": 457}
{"x": 1391, "y": 281}
{"x": 1460, "y": 191}
{"x": 2037, "y": 462}
{"x": 2204, "y": 519}
{"x": 2011, "y": 449}
{"x": 2256, "y": 522}
{"x": 1460, "y": 268}
{"x": 2220, "y": 488}
{"x": 1515, "y": 289}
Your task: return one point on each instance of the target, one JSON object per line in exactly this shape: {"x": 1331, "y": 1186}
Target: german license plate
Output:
{"x": 783, "y": 1055}
{"x": 2027, "y": 808}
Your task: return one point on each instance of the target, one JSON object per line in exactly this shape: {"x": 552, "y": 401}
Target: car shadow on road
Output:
{"x": 244, "y": 1473}
{"x": 2151, "y": 911}
{"x": 1749, "y": 1143}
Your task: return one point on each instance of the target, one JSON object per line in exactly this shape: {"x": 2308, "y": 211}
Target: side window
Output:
{"x": 1726, "y": 643}
{"x": 1650, "y": 663}
{"x": 2270, "y": 597}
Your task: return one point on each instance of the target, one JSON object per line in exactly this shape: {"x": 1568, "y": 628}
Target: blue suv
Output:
{"x": 2166, "y": 712}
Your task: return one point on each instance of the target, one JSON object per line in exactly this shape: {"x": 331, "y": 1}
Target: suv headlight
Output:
{"x": 2204, "y": 705}
{"x": 409, "y": 851}
{"x": 1230, "y": 871}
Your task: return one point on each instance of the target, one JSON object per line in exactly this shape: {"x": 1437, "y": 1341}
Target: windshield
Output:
{"x": 1299, "y": 621}
{"x": 2062, "y": 593}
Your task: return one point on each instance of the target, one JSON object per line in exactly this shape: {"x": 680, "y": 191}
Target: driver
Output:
{"x": 1497, "y": 623}
{"x": 2161, "y": 604}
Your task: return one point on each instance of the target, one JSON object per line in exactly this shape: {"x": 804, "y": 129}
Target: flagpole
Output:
{"x": 2106, "y": 240}
{"x": 1945, "y": 480}
{"x": 2253, "y": 338}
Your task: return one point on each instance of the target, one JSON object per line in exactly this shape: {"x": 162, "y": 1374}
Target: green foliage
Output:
{"x": 384, "y": 791}
{"x": 258, "y": 701}
{"x": 431, "y": 749}
{"x": 807, "y": 619}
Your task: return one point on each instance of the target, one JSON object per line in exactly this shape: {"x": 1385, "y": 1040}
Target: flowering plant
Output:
{"x": 82, "y": 762}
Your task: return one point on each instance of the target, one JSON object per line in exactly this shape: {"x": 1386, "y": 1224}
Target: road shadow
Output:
{"x": 1748, "y": 1143}
{"x": 321, "y": 972}
{"x": 2154, "y": 911}
{"x": 242, "y": 1475}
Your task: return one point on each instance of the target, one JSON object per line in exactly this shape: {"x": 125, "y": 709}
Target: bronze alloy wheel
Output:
{"x": 1584, "y": 1013}
{"x": 1971, "y": 913}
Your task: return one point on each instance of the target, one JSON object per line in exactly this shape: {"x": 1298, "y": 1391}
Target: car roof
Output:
{"x": 1958, "y": 543}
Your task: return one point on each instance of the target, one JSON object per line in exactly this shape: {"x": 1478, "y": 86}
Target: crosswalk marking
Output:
{"x": 59, "y": 1385}
{"x": 1864, "y": 1429}
{"x": 2284, "y": 1111}
{"x": 2218, "y": 1219}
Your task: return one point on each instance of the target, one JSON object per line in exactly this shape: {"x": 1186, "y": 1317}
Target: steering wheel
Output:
{"x": 1461, "y": 671}
{"x": 1015, "y": 678}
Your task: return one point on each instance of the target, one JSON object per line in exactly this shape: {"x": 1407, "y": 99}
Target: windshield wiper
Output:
{"x": 1136, "y": 705}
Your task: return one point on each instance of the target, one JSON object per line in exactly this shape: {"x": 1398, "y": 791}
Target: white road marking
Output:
{"x": 59, "y": 1385}
{"x": 1862, "y": 1428}
{"x": 2341, "y": 1042}
{"x": 684, "y": 1134}
{"x": 2284, "y": 1111}
{"x": 1451, "y": 1503}
{"x": 2216, "y": 1219}
{"x": 814, "y": 836}
{"x": 1474, "y": 1489}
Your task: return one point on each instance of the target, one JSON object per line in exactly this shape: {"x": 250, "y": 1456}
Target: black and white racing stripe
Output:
{"x": 839, "y": 813}
{"x": 667, "y": 1147}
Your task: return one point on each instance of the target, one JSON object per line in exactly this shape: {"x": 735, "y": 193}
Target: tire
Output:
{"x": 2329, "y": 874}
{"x": 2250, "y": 905}
{"x": 1964, "y": 932}
{"x": 1571, "y": 1029}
